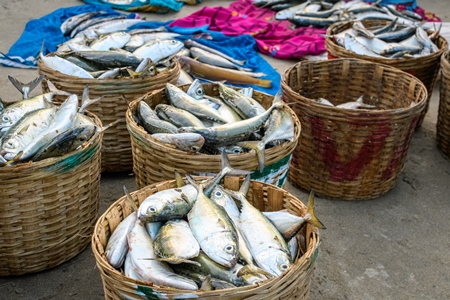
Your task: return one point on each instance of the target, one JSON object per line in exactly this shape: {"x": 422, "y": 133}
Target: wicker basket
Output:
{"x": 116, "y": 147}
{"x": 443, "y": 121}
{"x": 426, "y": 68}
{"x": 344, "y": 153}
{"x": 293, "y": 284}
{"x": 154, "y": 161}
{"x": 48, "y": 209}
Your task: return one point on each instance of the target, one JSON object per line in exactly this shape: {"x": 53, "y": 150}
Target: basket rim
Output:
{"x": 360, "y": 111}
{"x": 137, "y": 130}
{"x": 100, "y": 259}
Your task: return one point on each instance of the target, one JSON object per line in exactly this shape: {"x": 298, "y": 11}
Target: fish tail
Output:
{"x": 313, "y": 221}
{"x": 259, "y": 148}
{"x": 245, "y": 185}
{"x": 25, "y": 89}
{"x": 86, "y": 100}
{"x": 55, "y": 90}
{"x": 251, "y": 269}
{"x": 264, "y": 83}
{"x": 226, "y": 164}
{"x": 133, "y": 204}
{"x": 179, "y": 179}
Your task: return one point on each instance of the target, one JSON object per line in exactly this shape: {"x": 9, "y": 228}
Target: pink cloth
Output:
{"x": 272, "y": 37}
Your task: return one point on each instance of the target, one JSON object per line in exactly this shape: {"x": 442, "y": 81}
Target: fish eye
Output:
{"x": 194, "y": 148}
{"x": 173, "y": 42}
{"x": 83, "y": 138}
{"x": 236, "y": 151}
{"x": 229, "y": 249}
{"x": 6, "y": 119}
{"x": 151, "y": 209}
{"x": 284, "y": 266}
{"x": 199, "y": 92}
{"x": 218, "y": 194}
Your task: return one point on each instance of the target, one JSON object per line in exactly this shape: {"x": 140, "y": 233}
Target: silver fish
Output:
{"x": 117, "y": 246}
{"x": 184, "y": 78}
{"x": 191, "y": 43}
{"x": 115, "y": 39}
{"x": 148, "y": 119}
{"x": 143, "y": 260}
{"x": 246, "y": 107}
{"x": 214, "y": 59}
{"x": 64, "y": 66}
{"x": 92, "y": 32}
{"x": 175, "y": 242}
{"x": 189, "y": 142}
{"x": 111, "y": 58}
{"x": 156, "y": 50}
{"x": 289, "y": 12}
{"x": 138, "y": 40}
{"x": 214, "y": 230}
{"x": 353, "y": 45}
{"x": 355, "y": 104}
{"x": 182, "y": 100}
{"x": 179, "y": 117}
{"x": 69, "y": 24}
{"x": 91, "y": 22}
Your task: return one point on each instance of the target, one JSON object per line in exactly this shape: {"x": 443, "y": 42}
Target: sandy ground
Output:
{"x": 393, "y": 247}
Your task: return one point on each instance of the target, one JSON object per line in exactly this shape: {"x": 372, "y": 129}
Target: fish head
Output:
{"x": 274, "y": 261}
{"x": 163, "y": 207}
{"x": 222, "y": 249}
{"x": 150, "y": 211}
{"x": 196, "y": 90}
{"x": 218, "y": 195}
{"x": 10, "y": 147}
{"x": 190, "y": 142}
{"x": 173, "y": 46}
{"x": 9, "y": 117}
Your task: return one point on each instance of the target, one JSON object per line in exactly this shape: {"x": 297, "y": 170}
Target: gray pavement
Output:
{"x": 392, "y": 247}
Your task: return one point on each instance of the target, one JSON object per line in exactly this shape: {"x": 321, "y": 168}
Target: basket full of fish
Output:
{"x": 115, "y": 74}
{"x": 186, "y": 128}
{"x": 407, "y": 47}
{"x": 50, "y": 181}
{"x": 229, "y": 238}
{"x": 357, "y": 119}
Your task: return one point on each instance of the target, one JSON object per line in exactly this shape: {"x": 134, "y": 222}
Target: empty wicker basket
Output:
{"x": 443, "y": 121}
{"x": 154, "y": 161}
{"x": 48, "y": 209}
{"x": 351, "y": 154}
{"x": 292, "y": 284}
{"x": 426, "y": 68}
{"x": 116, "y": 146}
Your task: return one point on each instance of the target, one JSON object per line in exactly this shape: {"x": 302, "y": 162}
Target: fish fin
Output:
{"x": 86, "y": 100}
{"x": 131, "y": 201}
{"x": 55, "y": 90}
{"x": 185, "y": 198}
{"x": 233, "y": 171}
{"x": 191, "y": 181}
{"x": 174, "y": 260}
{"x": 245, "y": 185}
{"x": 314, "y": 221}
{"x": 24, "y": 129}
{"x": 251, "y": 269}
{"x": 259, "y": 148}
{"x": 133, "y": 73}
{"x": 206, "y": 284}
{"x": 179, "y": 179}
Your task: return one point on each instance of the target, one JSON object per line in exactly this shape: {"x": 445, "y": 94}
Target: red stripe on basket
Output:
{"x": 400, "y": 152}
{"x": 327, "y": 148}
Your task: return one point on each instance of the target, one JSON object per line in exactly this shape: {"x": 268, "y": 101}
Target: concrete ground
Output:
{"x": 393, "y": 247}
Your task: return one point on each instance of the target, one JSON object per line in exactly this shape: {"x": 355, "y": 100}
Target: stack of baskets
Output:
{"x": 48, "y": 209}
{"x": 443, "y": 121}
{"x": 426, "y": 68}
{"x": 116, "y": 147}
{"x": 292, "y": 284}
{"x": 351, "y": 154}
{"x": 154, "y": 161}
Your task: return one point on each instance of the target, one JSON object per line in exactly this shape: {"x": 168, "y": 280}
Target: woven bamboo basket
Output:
{"x": 116, "y": 146}
{"x": 426, "y": 68}
{"x": 154, "y": 161}
{"x": 351, "y": 154}
{"x": 443, "y": 121}
{"x": 48, "y": 209}
{"x": 293, "y": 284}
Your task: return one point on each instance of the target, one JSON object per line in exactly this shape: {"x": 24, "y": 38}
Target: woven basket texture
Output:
{"x": 48, "y": 209}
{"x": 426, "y": 68}
{"x": 293, "y": 284}
{"x": 116, "y": 146}
{"x": 154, "y": 161}
{"x": 443, "y": 121}
{"x": 351, "y": 154}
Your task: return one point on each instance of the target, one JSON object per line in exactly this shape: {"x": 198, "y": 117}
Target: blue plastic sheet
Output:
{"x": 158, "y": 6}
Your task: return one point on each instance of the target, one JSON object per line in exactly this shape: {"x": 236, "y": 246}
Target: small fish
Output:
{"x": 324, "y": 101}
{"x": 99, "y": 18}
{"x": 117, "y": 246}
{"x": 352, "y": 45}
{"x": 26, "y": 89}
{"x": 189, "y": 142}
{"x": 179, "y": 117}
{"x": 111, "y": 59}
{"x": 112, "y": 40}
{"x": 191, "y": 43}
{"x": 69, "y": 24}
{"x": 214, "y": 59}
{"x": 64, "y": 66}
{"x": 244, "y": 106}
{"x": 156, "y": 50}
{"x": 148, "y": 119}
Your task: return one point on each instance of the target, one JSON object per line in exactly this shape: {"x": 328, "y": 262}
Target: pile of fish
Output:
{"x": 390, "y": 41}
{"x": 196, "y": 122}
{"x": 324, "y": 13}
{"x": 104, "y": 47}
{"x": 204, "y": 236}
{"x": 34, "y": 128}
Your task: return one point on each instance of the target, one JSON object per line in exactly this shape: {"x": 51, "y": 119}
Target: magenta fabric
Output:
{"x": 272, "y": 37}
